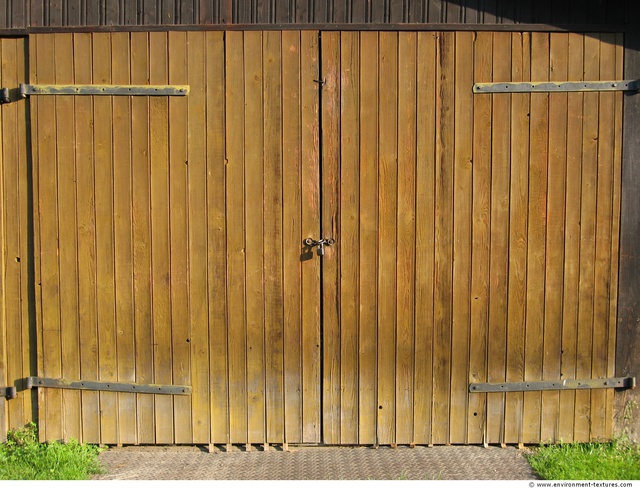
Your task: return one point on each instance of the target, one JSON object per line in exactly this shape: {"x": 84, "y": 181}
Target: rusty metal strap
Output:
{"x": 589, "y": 384}
{"x": 126, "y": 90}
{"x": 37, "y": 382}
{"x": 564, "y": 86}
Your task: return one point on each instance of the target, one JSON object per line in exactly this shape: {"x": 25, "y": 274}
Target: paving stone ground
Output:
{"x": 317, "y": 463}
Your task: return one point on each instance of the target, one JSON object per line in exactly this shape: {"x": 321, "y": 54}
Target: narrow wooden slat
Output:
{"x": 28, "y": 255}
{"x": 368, "y": 254}
{"x": 387, "y": 234}
{"x": 160, "y": 239}
{"x": 499, "y": 258}
{"x": 12, "y": 413}
{"x": 406, "y": 213}
{"x": 105, "y": 252}
{"x": 141, "y": 220}
{"x": 4, "y": 415}
{"x": 556, "y": 177}
{"x": 349, "y": 233}
{"x": 461, "y": 236}
{"x": 518, "y": 217}
{"x": 273, "y": 236}
{"x": 538, "y": 155}
{"x": 178, "y": 215}
{"x": 197, "y": 218}
{"x": 111, "y": 12}
{"x": 425, "y": 236}
{"x": 483, "y": 62}
{"x": 217, "y": 235}
{"x": 235, "y": 210}
{"x": 604, "y": 221}
{"x": 51, "y": 334}
{"x": 292, "y": 234}
{"x": 37, "y": 258}
{"x": 67, "y": 239}
{"x": 571, "y": 238}
{"x": 587, "y": 237}
{"x": 310, "y": 336}
{"x": 254, "y": 241}
{"x": 85, "y": 207}
{"x": 330, "y": 267}
{"x": 123, "y": 238}
{"x": 615, "y": 238}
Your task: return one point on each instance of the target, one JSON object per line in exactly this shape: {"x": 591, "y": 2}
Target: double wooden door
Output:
{"x": 475, "y": 238}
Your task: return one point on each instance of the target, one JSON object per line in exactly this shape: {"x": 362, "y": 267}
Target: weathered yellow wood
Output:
{"x": 141, "y": 234}
{"x": 5, "y": 277}
{"x": 368, "y": 224}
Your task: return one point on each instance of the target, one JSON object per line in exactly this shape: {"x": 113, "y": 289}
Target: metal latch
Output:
{"x": 37, "y": 382}
{"x": 563, "y": 86}
{"x": 8, "y": 392}
{"x": 321, "y": 243}
{"x": 589, "y": 384}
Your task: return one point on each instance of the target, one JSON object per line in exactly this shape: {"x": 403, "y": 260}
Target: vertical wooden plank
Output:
{"x": 86, "y": 221}
{"x": 387, "y": 234}
{"x": 615, "y": 239}
{"x": 197, "y": 218}
{"x": 50, "y": 287}
{"x": 235, "y": 187}
{"x": 292, "y": 233}
{"x": 273, "y": 236}
{"x": 12, "y": 232}
{"x": 571, "y": 238}
{"x": 178, "y": 229}
{"x": 254, "y": 202}
{"x": 141, "y": 220}
{"x": 105, "y": 257}
{"x": 604, "y": 221}
{"x": 349, "y": 233}
{"x": 38, "y": 364}
{"x": 480, "y": 231}
{"x": 311, "y": 381}
{"x": 160, "y": 239}
{"x": 5, "y": 277}
{"x": 587, "y": 237}
{"x": 462, "y": 237}
{"x": 330, "y": 265}
{"x": 556, "y": 176}
{"x": 443, "y": 237}
{"x": 67, "y": 238}
{"x": 425, "y": 236}
{"x": 499, "y": 258}
{"x": 27, "y": 253}
{"x": 518, "y": 218}
{"x": 538, "y": 155}
{"x": 216, "y": 106}
{"x": 406, "y": 214}
{"x": 368, "y": 254}
{"x": 123, "y": 238}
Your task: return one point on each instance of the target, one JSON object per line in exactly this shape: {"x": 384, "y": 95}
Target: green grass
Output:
{"x": 615, "y": 460}
{"x": 22, "y": 457}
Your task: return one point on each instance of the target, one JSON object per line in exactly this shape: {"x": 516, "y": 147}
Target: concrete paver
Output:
{"x": 317, "y": 463}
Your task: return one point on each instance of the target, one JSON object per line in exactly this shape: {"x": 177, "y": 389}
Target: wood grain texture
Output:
{"x": 425, "y": 234}
{"x": 349, "y": 234}
{"x": 518, "y": 218}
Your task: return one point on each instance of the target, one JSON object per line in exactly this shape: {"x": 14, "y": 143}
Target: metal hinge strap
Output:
{"x": 127, "y": 90}
{"x": 8, "y": 392}
{"x": 37, "y": 382}
{"x": 564, "y": 86}
{"x": 621, "y": 383}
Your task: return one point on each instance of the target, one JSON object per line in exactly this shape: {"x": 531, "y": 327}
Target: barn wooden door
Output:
{"x": 170, "y": 236}
{"x": 476, "y": 236}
